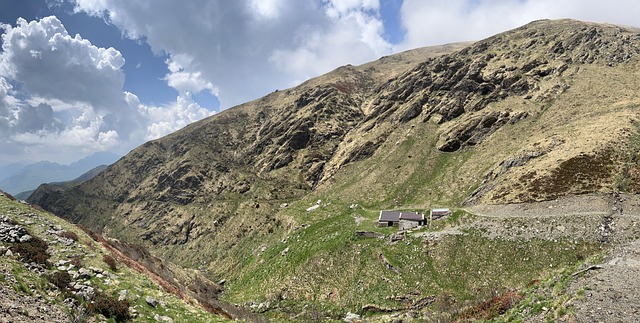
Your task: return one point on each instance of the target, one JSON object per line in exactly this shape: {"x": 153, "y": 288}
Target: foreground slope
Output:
{"x": 270, "y": 193}
{"x": 53, "y": 271}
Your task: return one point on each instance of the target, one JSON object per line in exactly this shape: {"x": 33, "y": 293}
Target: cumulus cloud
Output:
{"x": 444, "y": 21}
{"x": 355, "y": 35}
{"x": 167, "y": 119}
{"x": 60, "y": 93}
{"x": 38, "y": 53}
{"x": 184, "y": 81}
{"x": 242, "y": 50}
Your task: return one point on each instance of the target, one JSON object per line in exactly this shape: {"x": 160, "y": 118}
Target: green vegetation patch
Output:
{"x": 327, "y": 265}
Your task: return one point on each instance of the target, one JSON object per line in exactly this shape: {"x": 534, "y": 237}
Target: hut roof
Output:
{"x": 389, "y": 216}
{"x": 412, "y": 216}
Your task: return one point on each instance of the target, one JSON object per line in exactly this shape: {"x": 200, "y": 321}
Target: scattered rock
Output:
{"x": 160, "y": 318}
{"x": 396, "y": 237}
{"x": 284, "y": 252}
{"x": 84, "y": 291}
{"x": 311, "y": 208}
{"x": 12, "y": 233}
{"x": 351, "y": 317}
{"x": 25, "y": 238}
{"x": 84, "y": 273}
{"x": 151, "y": 301}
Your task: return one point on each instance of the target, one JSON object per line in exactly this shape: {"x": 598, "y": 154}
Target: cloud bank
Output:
{"x": 241, "y": 50}
{"x": 436, "y": 22}
{"x": 60, "y": 94}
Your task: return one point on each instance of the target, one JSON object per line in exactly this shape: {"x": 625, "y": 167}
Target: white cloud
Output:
{"x": 184, "y": 81}
{"x": 354, "y": 36}
{"x": 39, "y": 54}
{"x": 165, "y": 120}
{"x": 444, "y": 21}
{"x": 246, "y": 49}
{"x": 61, "y": 94}
{"x": 269, "y": 9}
{"x": 337, "y": 8}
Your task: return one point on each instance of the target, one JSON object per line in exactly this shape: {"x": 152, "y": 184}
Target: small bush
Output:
{"x": 76, "y": 261}
{"x": 60, "y": 279}
{"x": 69, "y": 235}
{"x": 110, "y": 307}
{"x": 498, "y": 305}
{"x": 111, "y": 262}
{"x": 34, "y": 250}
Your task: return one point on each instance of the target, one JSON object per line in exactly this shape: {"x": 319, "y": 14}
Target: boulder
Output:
{"x": 151, "y": 301}
{"x": 351, "y": 317}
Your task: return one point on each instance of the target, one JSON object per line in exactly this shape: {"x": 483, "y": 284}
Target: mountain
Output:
{"x": 270, "y": 195}
{"x": 10, "y": 170}
{"x": 82, "y": 178}
{"x": 28, "y": 177}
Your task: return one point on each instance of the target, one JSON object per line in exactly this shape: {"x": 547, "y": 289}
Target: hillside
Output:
{"x": 53, "y": 271}
{"x": 270, "y": 193}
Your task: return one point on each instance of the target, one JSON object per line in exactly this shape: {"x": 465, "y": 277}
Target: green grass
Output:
{"x": 326, "y": 263}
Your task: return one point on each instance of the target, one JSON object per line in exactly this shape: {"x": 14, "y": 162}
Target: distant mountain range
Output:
{"x": 18, "y": 178}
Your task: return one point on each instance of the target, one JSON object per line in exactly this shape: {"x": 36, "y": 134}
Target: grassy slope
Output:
{"x": 327, "y": 263}
{"x": 91, "y": 253}
{"x": 597, "y": 111}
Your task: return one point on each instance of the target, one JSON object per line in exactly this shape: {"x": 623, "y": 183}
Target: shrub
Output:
{"x": 34, "y": 250}
{"x": 69, "y": 235}
{"x": 498, "y": 305}
{"x": 60, "y": 279}
{"x": 111, "y": 262}
{"x": 110, "y": 307}
{"x": 76, "y": 261}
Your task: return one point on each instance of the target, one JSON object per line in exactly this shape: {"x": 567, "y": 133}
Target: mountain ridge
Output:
{"x": 546, "y": 110}
{"x": 20, "y": 178}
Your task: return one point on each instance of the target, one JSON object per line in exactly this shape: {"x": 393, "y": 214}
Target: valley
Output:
{"x": 531, "y": 137}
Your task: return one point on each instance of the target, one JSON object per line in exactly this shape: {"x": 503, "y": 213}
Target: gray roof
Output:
{"x": 440, "y": 211}
{"x": 389, "y": 216}
{"x": 411, "y": 216}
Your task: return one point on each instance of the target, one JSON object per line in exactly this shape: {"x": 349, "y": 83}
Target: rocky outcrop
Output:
{"x": 473, "y": 129}
{"x": 11, "y": 232}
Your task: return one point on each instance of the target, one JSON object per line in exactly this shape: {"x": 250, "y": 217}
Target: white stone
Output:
{"x": 313, "y": 208}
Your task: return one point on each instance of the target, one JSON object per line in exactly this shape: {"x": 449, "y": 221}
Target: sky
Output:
{"x": 83, "y": 76}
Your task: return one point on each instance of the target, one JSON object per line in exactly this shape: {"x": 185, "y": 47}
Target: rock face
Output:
{"x": 529, "y": 114}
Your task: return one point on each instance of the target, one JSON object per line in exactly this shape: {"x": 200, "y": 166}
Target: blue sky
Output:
{"x": 141, "y": 69}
